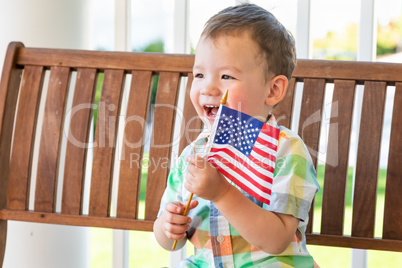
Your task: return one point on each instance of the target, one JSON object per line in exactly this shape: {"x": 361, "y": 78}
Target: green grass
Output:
{"x": 145, "y": 251}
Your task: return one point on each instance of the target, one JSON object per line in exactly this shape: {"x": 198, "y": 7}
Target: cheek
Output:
{"x": 236, "y": 101}
{"x": 194, "y": 94}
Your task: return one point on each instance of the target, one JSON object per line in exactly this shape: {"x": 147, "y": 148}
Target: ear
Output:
{"x": 277, "y": 90}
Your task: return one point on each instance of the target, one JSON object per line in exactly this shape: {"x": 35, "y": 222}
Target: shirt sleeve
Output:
{"x": 294, "y": 184}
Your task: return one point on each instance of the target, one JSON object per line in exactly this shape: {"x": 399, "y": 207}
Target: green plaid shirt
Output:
{"x": 218, "y": 244}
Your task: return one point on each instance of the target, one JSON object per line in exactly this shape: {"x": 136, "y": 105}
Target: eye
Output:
{"x": 199, "y": 75}
{"x": 225, "y": 76}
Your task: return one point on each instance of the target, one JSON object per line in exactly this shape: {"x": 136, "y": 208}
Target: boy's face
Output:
{"x": 234, "y": 63}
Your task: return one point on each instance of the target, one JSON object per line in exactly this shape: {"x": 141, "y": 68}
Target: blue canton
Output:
{"x": 238, "y": 130}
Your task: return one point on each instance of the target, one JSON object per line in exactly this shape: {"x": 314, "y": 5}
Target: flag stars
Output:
{"x": 237, "y": 130}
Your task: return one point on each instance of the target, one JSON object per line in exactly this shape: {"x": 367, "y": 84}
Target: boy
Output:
{"x": 246, "y": 50}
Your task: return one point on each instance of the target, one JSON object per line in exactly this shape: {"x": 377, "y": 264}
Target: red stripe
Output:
{"x": 240, "y": 184}
{"x": 264, "y": 165}
{"x": 243, "y": 174}
{"x": 264, "y": 154}
{"x": 242, "y": 162}
{"x": 266, "y": 143}
{"x": 270, "y": 131}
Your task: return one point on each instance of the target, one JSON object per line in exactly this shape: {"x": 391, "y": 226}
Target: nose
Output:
{"x": 210, "y": 89}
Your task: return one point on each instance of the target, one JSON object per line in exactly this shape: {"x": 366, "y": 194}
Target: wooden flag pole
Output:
{"x": 223, "y": 102}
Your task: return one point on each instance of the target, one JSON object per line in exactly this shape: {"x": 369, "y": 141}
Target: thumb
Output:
{"x": 193, "y": 204}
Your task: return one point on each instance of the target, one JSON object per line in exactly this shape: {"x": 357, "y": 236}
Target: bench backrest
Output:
{"x": 373, "y": 81}
{"x": 50, "y": 95}
{"x": 41, "y": 88}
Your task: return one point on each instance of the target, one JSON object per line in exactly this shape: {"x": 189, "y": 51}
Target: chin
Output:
{"x": 208, "y": 122}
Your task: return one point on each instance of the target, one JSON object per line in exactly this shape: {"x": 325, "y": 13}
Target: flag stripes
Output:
{"x": 244, "y": 149}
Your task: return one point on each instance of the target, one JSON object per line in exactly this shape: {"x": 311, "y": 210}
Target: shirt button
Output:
{"x": 220, "y": 238}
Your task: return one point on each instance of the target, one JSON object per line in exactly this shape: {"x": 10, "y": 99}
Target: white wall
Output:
{"x": 45, "y": 23}
{"x": 56, "y": 24}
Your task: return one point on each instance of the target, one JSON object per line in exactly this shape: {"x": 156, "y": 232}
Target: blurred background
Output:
{"x": 366, "y": 30}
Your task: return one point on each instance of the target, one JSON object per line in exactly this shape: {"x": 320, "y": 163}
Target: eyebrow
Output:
{"x": 196, "y": 67}
{"x": 235, "y": 69}
{"x": 232, "y": 68}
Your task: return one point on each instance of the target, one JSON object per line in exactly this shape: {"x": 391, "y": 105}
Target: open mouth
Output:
{"x": 211, "y": 110}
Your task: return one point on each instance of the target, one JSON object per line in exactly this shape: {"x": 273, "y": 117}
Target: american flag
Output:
{"x": 244, "y": 149}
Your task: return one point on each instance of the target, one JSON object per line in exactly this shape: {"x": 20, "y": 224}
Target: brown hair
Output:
{"x": 276, "y": 43}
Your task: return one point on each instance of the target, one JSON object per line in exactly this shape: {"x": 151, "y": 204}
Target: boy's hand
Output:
{"x": 204, "y": 180}
{"x": 174, "y": 224}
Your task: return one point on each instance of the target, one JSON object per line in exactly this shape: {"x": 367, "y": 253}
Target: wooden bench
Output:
{"x": 41, "y": 89}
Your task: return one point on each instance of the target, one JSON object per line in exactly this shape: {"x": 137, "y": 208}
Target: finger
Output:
{"x": 175, "y": 219}
{"x": 175, "y": 236}
{"x": 189, "y": 182}
{"x": 175, "y": 207}
{"x": 193, "y": 204}
{"x": 197, "y": 161}
{"x": 176, "y": 232}
{"x": 191, "y": 169}
{"x": 179, "y": 220}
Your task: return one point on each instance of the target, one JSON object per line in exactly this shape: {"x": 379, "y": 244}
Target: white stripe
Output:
{"x": 268, "y": 138}
{"x": 246, "y": 170}
{"x": 242, "y": 180}
{"x": 264, "y": 148}
{"x": 263, "y": 159}
{"x": 244, "y": 158}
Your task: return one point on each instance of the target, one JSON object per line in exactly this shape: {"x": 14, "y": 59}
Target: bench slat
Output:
{"x": 336, "y": 168}
{"x": 76, "y": 220}
{"x": 21, "y": 157}
{"x": 10, "y": 78}
{"x": 80, "y": 121}
{"x": 50, "y": 140}
{"x": 310, "y": 115}
{"x": 348, "y": 70}
{"x": 191, "y": 125}
{"x": 9, "y": 88}
{"x": 354, "y": 242}
{"x": 392, "y": 228}
{"x": 367, "y": 162}
{"x": 283, "y": 113}
{"x": 103, "y": 60}
{"x": 159, "y": 154}
{"x": 310, "y": 122}
{"x": 105, "y": 138}
{"x": 133, "y": 145}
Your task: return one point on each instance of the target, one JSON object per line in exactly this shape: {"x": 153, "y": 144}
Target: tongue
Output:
{"x": 214, "y": 110}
